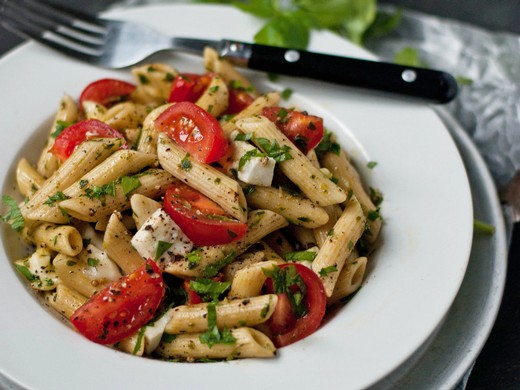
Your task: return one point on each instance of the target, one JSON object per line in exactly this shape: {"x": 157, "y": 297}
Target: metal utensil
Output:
{"x": 117, "y": 44}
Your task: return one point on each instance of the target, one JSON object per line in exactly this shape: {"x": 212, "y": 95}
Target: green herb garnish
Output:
{"x": 13, "y": 216}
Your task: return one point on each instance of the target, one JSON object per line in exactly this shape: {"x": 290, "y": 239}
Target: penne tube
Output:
{"x": 248, "y": 343}
{"x": 154, "y": 83}
{"x": 230, "y": 314}
{"x": 298, "y": 169}
{"x": 72, "y": 274}
{"x": 65, "y": 300}
{"x": 67, "y": 112}
{"x": 296, "y": 209}
{"x": 125, "y": 115}
{"x": 339, "y": 244}
{"x": 27, "y": 178}
{"x": 349, "y": 280}
{"x": 279, "y": 243}
{"x": 86, "y": 156}
{"x": 349, "y": 180}
{"x": 118, "y": 247}
{"x": 90, "y": 186}
{"x": 208, "y": 260}
{"x": 248, "y": 281}
{"x": 268, "y": 100}
{"x": 304, "y": 237}
{"x": 153, "y": 184}
{"x": 94, "y": 110}
{"x": 322, "y": 232}
{"x": 226, "y": 70}
{"x": 142, "y": 208}
{"x": 148, "y": 138}
{"x": 202, "y": 177}
{"x": 64, "y": 239}
{"x": 215, "y": 98}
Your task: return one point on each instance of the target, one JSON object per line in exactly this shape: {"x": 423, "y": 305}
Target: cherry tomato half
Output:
{"x": 195, "y": 130}
{"x": 284, "y": 326}
{"x": 122, "y": 308}
{"x": 72, "y": 136}
{"x": 106, "y": 92}
{"x": 238, "y": 100}
{"x": 305, "y": 131}
{"x": 189, "y": 87}
{"x": 201, "y": 219}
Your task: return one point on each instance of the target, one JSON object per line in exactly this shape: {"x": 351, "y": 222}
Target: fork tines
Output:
{"x": 58, "y": 28}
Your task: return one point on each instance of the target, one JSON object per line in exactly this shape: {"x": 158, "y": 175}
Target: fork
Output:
{"x": 117, "y": 44}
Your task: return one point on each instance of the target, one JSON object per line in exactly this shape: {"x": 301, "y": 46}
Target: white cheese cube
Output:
{"x": 160, "y": 229}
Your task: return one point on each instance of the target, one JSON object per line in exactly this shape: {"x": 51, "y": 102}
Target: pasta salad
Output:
{"x": 189, "y": 217}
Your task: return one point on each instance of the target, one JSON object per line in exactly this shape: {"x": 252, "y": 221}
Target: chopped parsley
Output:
{"x": 213, "y": 336}
{"x": 208, "y": 289}
{"x": 13, "y": 216}
{"x": 139, "y": 340}
{"x": 193, "y": 258}
{"x": 60, "y": 126}
{"x": 92, "y": 262}
{"x": 26, "y": 272}
{"x": 286, "y": 93}
{"x": 100, "y": 193}
{"x": 371, "y": 164}
{"x": 327, "y": 270}
{"x": 57, "y": 197}
{"x": 212, "y": 269}
{"x": 162, "y": 247}
{"x": 327, "y": 144}
{"x": 274, "y": 150}
{"x": 129, "y": 184}
{"x": 288, "y": 281}
{"x": 185, "y": 163}
{"x": 300, "y": 256}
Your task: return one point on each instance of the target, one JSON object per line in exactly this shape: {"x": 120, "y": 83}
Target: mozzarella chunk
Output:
{"x": 256, "y": 170}
{"x": 98, "y": 265}
{"x": 153, "y": 333}
{"x": 160, "y": 229}
{"x": 39, "y": 265}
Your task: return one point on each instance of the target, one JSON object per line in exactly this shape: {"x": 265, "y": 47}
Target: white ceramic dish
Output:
{"x": 415, "y": 274}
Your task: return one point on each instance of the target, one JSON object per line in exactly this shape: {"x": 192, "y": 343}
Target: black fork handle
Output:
{"x": 431, "y": 85}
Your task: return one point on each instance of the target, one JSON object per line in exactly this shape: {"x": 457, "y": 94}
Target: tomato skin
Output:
{"x": 189, "y": 87}
{"x": 106, "y": 91}
{"x": 201, "y": 219}
{"x": 298, "y": 328}
{"x": 305, "y": 131}
{"x": 72, "y": 136}
{"x": 195, "y": 130}
{"x": 122, "y": 308}
{"x": 192, "y": 297}
{"x": 238, "y": 100}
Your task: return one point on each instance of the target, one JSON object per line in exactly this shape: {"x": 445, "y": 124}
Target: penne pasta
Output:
{"x": 298, "y": 168}
{"x": 27, "y": 178}
{"x": 204, "y": 178}
{"x": 339, "y": 244}
{"x": 230, "y": 314}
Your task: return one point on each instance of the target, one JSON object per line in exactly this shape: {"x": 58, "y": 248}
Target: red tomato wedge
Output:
{"x": 238, "y": 100}
{"x": 189, "y": 87}
{"x": 305, "y": 131}
{"x": 201, "y": 219}
{"x": 121, "y": 309}
{"x": 284, "y": 326}
{"x": 106, "y": 92}
{"x": 195, "y": 130}
{"x": 72, "y": 136}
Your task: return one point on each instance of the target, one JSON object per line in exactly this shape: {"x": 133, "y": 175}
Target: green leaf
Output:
{"x": 213, "y": 336}
{"x": 57, "y": 197}
{"x": 284, "y": 31}
{"x": 26, "y": 272}
{"x": 260, "y": 8}
{"x": 300, "y": 256}
{"x": 327, "y": 270}
{"x": 92, "y": 262}
{"x": 208, "y": 289}
{"x": 408, "y": 56}
{"x": 212, "y": 269}
{"x": 162, "y": 247}
{"x": 384, "y": 23}
{"x": 13, "y": 216}
{"x": 129, "y": 184}
{"x": 60, "y": 126}
{"x": 274, "y": 150}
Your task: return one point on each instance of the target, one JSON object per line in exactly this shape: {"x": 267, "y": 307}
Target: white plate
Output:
{"x": 414, "y": 278}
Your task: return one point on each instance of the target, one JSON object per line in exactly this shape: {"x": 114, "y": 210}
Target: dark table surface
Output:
{"x": 498, "y": 366}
